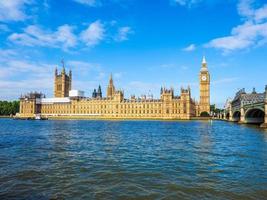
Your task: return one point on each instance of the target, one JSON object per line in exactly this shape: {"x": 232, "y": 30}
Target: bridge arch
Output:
{"x": 227, "y": 116}
{"x": 236, "y": 116}
{"x": 255, "y": 116}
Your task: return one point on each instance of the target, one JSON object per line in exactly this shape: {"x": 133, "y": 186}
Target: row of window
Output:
{"x": 145, "y": 106}
{"x": 49, "y": 111}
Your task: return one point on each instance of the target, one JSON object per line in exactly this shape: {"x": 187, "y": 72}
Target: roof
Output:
{"x": 54, "y": 100}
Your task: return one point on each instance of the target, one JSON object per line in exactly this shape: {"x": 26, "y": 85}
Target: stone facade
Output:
{"x": 110, "y": 88}
{"x": 114, "y": 105}
{"x": 204, "y": 83}
{"x": 247, "y": 108}
{"x": 30, "y": 105}
{"x": 62, "y": 83}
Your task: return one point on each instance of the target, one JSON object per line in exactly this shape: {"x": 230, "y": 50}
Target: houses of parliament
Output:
{"x": 72, "y": 104}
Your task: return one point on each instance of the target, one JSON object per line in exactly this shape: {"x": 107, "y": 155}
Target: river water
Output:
{"x": 131, "y": 160}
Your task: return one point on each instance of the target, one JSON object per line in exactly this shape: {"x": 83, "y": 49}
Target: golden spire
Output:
{"x": 110, "y": 80}
{"x": 204, "y": 64}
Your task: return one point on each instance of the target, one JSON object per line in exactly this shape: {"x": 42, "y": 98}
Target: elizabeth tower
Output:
{"x": 204, "y": 83}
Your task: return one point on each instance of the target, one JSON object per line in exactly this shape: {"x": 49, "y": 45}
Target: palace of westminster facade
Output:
{"x": 68, "y": 103}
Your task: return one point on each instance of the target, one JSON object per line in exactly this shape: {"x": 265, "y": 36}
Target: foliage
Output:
{"x": 9, "y": 107}
{"x": 215, "y": 110}
{"x": 204, "y": 114}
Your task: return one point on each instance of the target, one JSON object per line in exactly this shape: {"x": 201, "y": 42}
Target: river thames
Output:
{"x": 131, "y": 160}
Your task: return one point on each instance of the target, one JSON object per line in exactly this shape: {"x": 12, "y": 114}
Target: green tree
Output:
{"x": 8, "y": 108}
{"x": 204, "y": 114}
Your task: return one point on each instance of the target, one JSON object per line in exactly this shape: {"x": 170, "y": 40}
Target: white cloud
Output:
{"x": 23, "y": 68}
{"x": 87, "y": 69}
{"x": 6, "y": 53}
{"x": 13, "y": 10}
{"x": 35, "y": 36}
{"x": 64, "y": 36}
{"x": 87, "y": 2}
{"x": 12, "y": 89}
{"x": 123, "y": 33}
{"x": 244, "y": 8}
{"x": 252, "y": 33}
{"x": 191, "y": 47}
{"x": 261, "y": 13}
{"x": 83, "y": 67}
{"x": 93, "y": 34}
{"x": 33, "y": 76}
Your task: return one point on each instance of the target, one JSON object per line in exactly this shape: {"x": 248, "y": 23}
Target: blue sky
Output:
{"x": 145, "y": 45}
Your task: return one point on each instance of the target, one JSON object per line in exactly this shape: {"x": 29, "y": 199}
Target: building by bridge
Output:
{"x": 249, "y": 108}
{"x": 69, "y": 103}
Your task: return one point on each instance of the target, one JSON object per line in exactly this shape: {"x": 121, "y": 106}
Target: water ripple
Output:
{"x": 131, "y": 160}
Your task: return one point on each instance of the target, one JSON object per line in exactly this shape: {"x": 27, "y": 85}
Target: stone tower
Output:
{"x": 99, "y": 92}
{"x": 204, "y": 84}
{"x": 62, "y": 83}
{"x": 111, "y": 88}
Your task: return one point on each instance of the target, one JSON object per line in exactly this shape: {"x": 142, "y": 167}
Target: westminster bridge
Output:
{"x": 248, "y": 108}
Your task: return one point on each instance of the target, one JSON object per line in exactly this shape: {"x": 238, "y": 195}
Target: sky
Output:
{"x": 144, "y": 44}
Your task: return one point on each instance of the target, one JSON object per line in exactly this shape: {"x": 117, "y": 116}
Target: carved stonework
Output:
{"x": 204, "y": 83}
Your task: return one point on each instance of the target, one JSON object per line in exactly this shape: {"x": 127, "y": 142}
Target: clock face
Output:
{"x": 204, "y": 78}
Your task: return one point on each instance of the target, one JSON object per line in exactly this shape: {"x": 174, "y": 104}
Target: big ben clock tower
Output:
{"x": 204, "y": 83}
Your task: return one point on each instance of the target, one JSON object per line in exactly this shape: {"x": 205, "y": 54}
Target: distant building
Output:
{"x": 73, "y": 104}
{"x": 62, "y": 84}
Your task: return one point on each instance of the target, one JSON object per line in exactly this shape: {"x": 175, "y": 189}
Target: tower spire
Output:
{"x": 111, "y": 88}
{"x": 204, "y": 60}
{"x": 111, "y": 79}
{"x": 63, "y": 66}
{"x": 204, "y": 64}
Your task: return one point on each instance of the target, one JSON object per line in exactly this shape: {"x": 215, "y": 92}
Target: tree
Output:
{"x": 8, "y": 108}
{"x": 215, "y": 111}
{"x": 204, "y": 114}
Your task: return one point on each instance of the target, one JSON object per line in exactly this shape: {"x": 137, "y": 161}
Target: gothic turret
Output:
{"x": 62, "y": 82}
{"x": 111, "y": 88}
{"x": 99, "y": 92}
{"x": 94, "y": 94}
